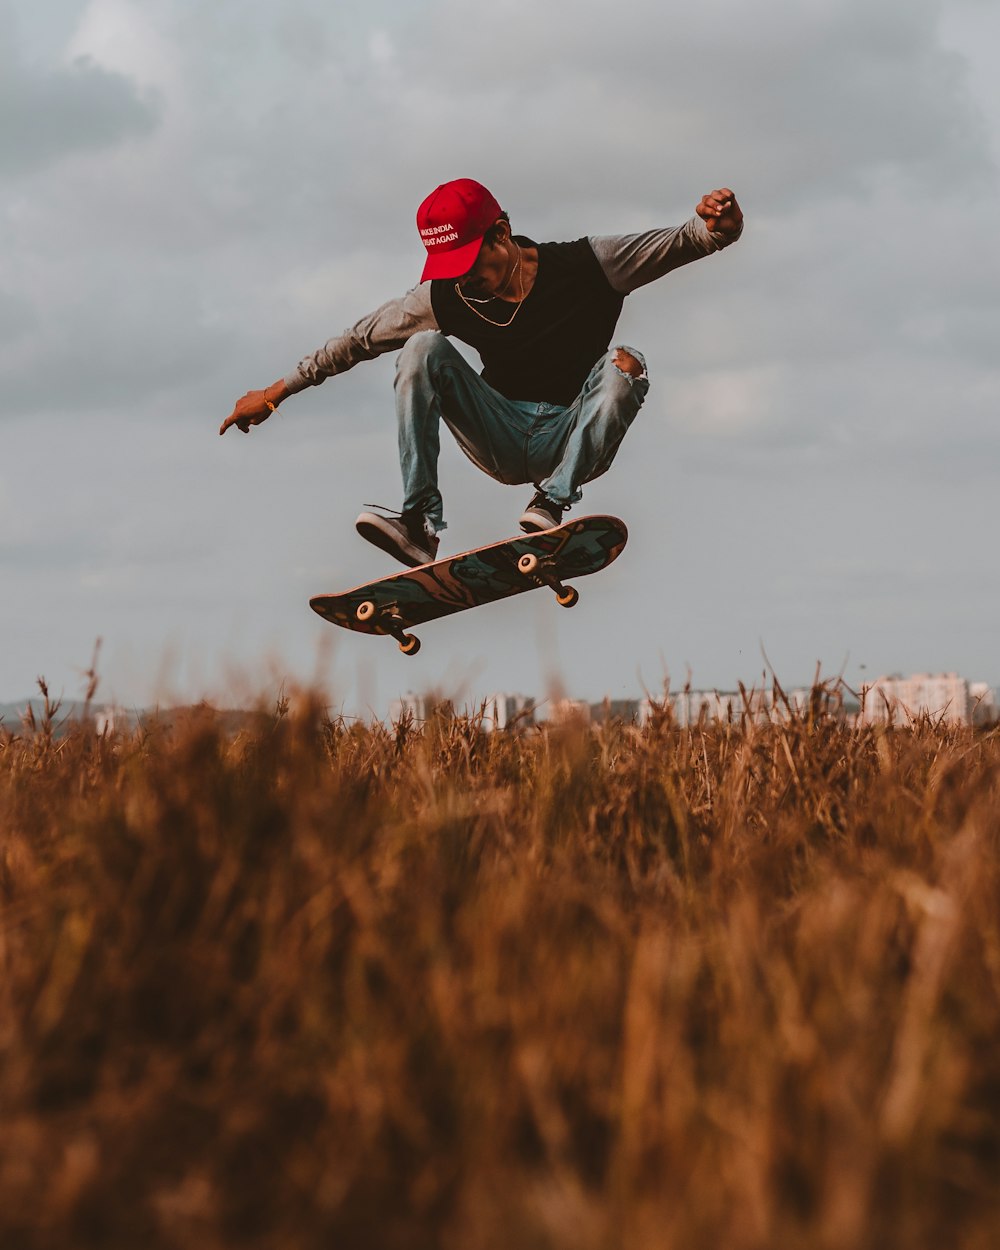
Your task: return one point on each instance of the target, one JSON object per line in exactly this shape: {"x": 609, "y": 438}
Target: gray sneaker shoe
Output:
{"x": 541, "y": 514}
{"x": 406, "y": 537}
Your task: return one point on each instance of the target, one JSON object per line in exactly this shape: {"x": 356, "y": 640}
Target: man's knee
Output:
{"x": 627, "y": 362}
{"x": 421, "y": 350}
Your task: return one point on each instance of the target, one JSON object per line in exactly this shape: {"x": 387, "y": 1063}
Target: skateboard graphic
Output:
{"x": 393, "y": 605}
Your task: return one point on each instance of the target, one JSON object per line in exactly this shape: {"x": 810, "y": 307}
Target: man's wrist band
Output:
{"x": 273, "y": 407}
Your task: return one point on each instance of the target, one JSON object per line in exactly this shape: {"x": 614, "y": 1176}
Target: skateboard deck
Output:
{"x": 393, "y": 605}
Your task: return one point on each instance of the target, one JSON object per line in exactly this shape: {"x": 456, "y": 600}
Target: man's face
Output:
{"x": 491, "y": 270}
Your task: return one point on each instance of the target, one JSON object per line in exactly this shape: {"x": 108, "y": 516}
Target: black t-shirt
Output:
{"x": 560, "y": 331}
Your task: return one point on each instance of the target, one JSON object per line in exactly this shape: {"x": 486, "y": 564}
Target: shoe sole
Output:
{"x": 391, "y": 545}
{"x": 534, "y": 524}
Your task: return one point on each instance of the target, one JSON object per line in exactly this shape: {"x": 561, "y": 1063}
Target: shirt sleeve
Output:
{"x": 384, "y": 330}
{"x": 631, "y": 260}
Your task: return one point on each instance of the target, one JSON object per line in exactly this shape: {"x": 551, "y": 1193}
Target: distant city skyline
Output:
{"x": 894, "y": 699}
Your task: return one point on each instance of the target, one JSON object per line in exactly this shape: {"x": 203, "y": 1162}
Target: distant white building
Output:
{"x": 691, "y": 707}
{"x": 499, "y": 711}
{"x": 507, "y": 711}
{"x": 897, "y": 700}
{"x": 416, "y": 707}
{"x": 111, "y": 719}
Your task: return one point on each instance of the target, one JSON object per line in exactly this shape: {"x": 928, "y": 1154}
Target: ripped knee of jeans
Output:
{"x": 629, "y": 362}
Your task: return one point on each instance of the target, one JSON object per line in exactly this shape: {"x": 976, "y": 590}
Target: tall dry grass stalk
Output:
{"x": 321, "y": 985}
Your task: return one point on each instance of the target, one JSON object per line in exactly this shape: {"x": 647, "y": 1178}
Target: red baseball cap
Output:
{"x": 452, "y": 222}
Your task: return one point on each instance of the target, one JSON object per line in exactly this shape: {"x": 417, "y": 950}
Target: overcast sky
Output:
{"x": 194, "y": 196}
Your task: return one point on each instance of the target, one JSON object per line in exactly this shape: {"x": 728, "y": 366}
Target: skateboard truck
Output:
{"x": 542, "y": 572}
{"x": 388, "y": 619}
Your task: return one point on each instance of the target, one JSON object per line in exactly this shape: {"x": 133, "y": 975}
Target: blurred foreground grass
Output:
{"x": 316, "y": 985}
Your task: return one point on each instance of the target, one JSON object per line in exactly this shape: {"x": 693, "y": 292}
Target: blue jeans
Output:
{"x": 556, "y": 448}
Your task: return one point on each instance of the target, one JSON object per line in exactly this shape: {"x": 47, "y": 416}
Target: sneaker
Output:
{"x": 541, "y": 514}
{"x": 407, "y": 537}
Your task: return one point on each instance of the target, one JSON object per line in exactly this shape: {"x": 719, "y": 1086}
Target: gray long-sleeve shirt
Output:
{"x": 629, "y": 261}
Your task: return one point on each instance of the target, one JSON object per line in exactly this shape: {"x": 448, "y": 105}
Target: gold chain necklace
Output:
{"x": 517, "y": 307}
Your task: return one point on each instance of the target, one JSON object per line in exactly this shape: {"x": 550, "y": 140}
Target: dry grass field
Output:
{"x": 321, "y": 985}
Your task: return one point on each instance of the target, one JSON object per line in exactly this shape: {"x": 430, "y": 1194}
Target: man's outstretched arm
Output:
{"x": 384, "y": 330}
{"x": 632, "y": 260}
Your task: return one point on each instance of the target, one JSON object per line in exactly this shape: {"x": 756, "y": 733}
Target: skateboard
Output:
{"x": 393, "y": 605}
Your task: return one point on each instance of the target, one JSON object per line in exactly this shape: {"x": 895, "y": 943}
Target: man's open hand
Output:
{"x": 720, "y": 212}
{"x": 254, "y": 407}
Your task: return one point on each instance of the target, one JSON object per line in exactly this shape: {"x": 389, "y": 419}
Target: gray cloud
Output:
{"x": 802, "y": 101}
{"x": 50, "y": 112}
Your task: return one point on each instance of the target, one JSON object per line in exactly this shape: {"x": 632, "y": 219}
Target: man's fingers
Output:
{"x": 715, "y": 202}
{"x": 719, "y": 211}
{"x": 721, "y": 196}
{"x": 242, "y": 424}
{"x": 241, "y": 417}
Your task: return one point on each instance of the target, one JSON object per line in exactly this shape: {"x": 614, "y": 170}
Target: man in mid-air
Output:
{"x": 553, "y": 401}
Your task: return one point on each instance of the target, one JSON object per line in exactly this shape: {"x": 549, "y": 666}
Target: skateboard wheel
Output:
{"x": 365, "y": 611}
{"x": 528, "y": 564}
{"x": 409, "y": 644}
{"x": 568, "y": 598}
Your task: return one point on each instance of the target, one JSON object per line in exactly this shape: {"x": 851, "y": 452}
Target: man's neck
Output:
{"x": 525, "y": 279}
